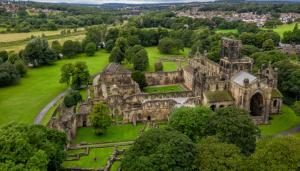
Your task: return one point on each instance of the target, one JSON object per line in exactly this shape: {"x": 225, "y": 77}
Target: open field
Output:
{"x": 227, "y": 31}
{"x": 282, "y": 122}
{"x": 9, "y": 37}
{"x": 23, "y": 101}
{"x": 163, "y": 89}
{"x": 100, "y": 154}
{"x": 115, "y": 133}
{"x": 283, "y": 28}
{"x": 19, "y": 46}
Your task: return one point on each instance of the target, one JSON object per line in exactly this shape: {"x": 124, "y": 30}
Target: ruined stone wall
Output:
{"x": 164, "y": 78}
{"x": 205, "y": 65}
{"x": 290, "y": 49}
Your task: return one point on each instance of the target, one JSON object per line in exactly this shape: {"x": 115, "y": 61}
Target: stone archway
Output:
{"x": 256, "y": 105}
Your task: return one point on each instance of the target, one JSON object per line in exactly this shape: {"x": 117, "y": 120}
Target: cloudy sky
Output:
{"x": 119, "y": 1}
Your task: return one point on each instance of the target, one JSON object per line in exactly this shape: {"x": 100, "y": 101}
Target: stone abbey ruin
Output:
{"x": 231, "y": 82}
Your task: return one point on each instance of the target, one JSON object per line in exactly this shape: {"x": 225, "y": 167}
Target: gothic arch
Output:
{"x": 257, "y": 104}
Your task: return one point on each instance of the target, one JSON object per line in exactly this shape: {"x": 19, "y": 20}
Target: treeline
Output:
{"x": 200, "y": 139}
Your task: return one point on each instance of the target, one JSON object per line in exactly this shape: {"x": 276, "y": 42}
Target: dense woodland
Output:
{"x": 194, "y": 138}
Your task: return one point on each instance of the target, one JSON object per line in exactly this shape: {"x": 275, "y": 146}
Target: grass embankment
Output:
{"x": 282, "y": 122}
{"x": 96, "y": 159}
{"x": 23, "y": 101}
{"x": 116, "y": 133}
{"x": 163, "y": 89}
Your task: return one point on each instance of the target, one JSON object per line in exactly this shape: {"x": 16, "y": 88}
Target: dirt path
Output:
{"x": 43, "y": 112}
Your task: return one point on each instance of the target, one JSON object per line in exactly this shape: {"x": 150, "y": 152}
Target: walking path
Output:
{"x": 43, "y": 112}
{"x": 289, "y": 132}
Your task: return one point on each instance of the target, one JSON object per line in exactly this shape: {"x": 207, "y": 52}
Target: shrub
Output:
{"x": 90, "y": 49}
{"x": 158, "y": 66}
{"x": 72, "y": 98}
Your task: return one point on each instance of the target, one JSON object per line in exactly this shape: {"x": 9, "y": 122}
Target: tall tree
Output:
{"x": 100, "y": 118}
{"x": 141, "y": 60}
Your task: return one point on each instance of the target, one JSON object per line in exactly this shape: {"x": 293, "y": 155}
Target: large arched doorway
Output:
{"x": 256, "y": 105}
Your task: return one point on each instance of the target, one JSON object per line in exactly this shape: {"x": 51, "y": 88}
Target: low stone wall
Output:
{"x": 164, "y": 78}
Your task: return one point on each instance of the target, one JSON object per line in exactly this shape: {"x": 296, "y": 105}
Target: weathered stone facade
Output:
{"x": 215, "y": 85}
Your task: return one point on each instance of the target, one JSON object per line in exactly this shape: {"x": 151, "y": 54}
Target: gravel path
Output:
{"x": 43, "y": 112}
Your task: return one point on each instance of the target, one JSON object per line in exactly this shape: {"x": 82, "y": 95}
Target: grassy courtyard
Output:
{"x": 117, "y": 133}
{"x": 23, "y": 101}
{"x": 279, "y": 123}
{"x": 163, "y": 89}
{"x": 96, "y": 159}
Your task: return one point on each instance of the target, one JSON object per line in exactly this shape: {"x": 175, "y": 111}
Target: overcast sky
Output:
{"x": 119, "y": 1}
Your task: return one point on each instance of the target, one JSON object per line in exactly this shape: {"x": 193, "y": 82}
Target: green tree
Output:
{"x": 68, "y": 49}
{"x": 72, "y": 98}
{"x": 233, "y": 125}
{"x": 296, "y": 107}
{"x": 31, "y": 147}
{"x": 248, "y": 50}
{"x": 140, "y": 78}
{"x": 160, "y": 149}
{"x": 190, "y": 121}
{"x": 90, "y": 49}
{"x": 280, "y": 153}
{"x": 37, "y": 52}
{"x": 109, "y": 45}
{"x": 76, "y": 75}
{"x": 141, "y": 60}
{"x": 3, "y": 56}
{"x": 131, "y": 52}
{"x": 170, "y": 46}
{"x": 116, "y": 55}
{"x": 56, "y": 47}
{"x": 158, "y": 66}
{"x": 100, "y": 118}
{"x": 215, "y": 155}
{"x": 96, "y": 34}
{"x": 8, "y": 74}
{"x": 268, "y": 45}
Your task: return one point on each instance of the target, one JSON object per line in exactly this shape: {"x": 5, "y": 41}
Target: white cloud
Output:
{"x": 119, "y": 1}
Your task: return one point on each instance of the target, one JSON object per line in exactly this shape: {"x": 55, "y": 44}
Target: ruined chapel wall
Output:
{"x": 164, "y": 78}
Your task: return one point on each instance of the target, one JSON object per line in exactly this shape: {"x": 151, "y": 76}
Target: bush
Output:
{"x": 140, "y": 78}
{"x": 90, "y": 49}
{"x": 8, "y": 74}
{"x": 72, "y": 98}
{"x": 296, "y": 107}
{"x": 158, "y": 66}
{"x": 100, "y": 118}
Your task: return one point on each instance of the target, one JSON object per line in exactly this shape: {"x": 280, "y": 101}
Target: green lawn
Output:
{"x": 23, "y": 101}
{"x": 224, "y": 31}
{"x": 115, "y": 133}
{"x": 115, "y": 166}
{"x": 283, "y": 28}
{"x": 101, "y": 155}
{"x": 283, "y": 122}
{"x": 163, "y": 89}
{"x": 154, "y": 56}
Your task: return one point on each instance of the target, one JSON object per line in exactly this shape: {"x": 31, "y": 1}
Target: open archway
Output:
{"x": 256, "y": 105}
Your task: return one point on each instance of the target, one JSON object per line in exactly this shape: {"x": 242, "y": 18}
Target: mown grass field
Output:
{"x": 282, "y": 122}
{"x": 115, "y": 133}
{"x": 9, "y": 37}
{"x": 95, "y": 160}
{"x": 23, "y": 101}
{"x": 163, "y": 89}
{"x": 224, "y": 31}
{"x": 283, "y": 28}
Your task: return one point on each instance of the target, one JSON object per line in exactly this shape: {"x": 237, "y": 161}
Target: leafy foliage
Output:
{"x": 76, "y": 75}
{"x": 37, "y": 52}
{"x": 90, "y": 49}
{"x": 215, "y": 155}
{"x": 170, "y": 46}
{"x": 190, "y": 121}
{"x": 140, "y": 78}
{"x": 100, "y": 118}
{"x": 32, "y": 147}
{"x": 160, "y": 149}
{"x": 233, "y": 125}
{"x": 158, "y": 66}
{"x": 72, "y": 98}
